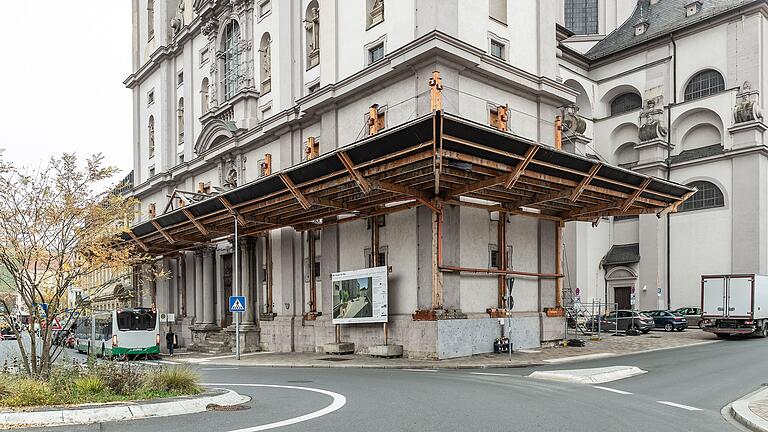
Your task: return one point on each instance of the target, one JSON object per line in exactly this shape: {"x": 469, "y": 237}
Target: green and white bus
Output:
{"x": 118, "y": 333}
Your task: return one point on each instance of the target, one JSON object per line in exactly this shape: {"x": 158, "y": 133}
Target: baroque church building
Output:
{"x": 648, "y": 100}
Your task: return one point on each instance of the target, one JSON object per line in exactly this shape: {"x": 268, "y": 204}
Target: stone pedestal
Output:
{"x": 339, "y": 348}
{"x": 386, "y": 351}
{"x": 249, "y": 338}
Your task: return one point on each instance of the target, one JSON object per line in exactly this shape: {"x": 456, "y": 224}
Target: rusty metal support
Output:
{"x": 375, "y": 260}
{"x": 585, "y": 181}
{"x": 635, "y": 195}
{"x": 312, "y": 281}
{"x": 521, "y": 167}
{"x": 160, "y": 229}
{"x": 361, "y": 181}
{"x": 437, "y": 258}
{"x": 493, "y": 272}
{"x": 436, "y": 92}
{"x": 303, "y": 201}
{"x": 502, "y": 252}
{"x": 375, "y": 120}
{"x": 558, "y": 132}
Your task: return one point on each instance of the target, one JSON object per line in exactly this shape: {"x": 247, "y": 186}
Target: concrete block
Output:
{"x": 339, "y": 348}
{"x": 387, "y": 351}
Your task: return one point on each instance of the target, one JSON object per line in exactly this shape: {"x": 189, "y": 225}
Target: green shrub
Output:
{"x": 177, "y": 379}
{"x": 5, "y": 388}
{"x": 28, "y": 392}
{"x": 62, "y": 379}
{"x": 89, "y": 385}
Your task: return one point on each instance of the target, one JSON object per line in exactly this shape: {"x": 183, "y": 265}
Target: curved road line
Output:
{"x": 338, "y": 402}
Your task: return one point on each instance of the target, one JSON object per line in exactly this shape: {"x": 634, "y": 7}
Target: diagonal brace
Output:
{"x": 361, "y": 181}
{"x": 295, "y": 192}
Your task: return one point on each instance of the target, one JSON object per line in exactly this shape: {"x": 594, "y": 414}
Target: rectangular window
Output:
{"x": 204, "y": 56}
{"x": 376, "y": 53}
{"x": 581, "y": 16}
{"x": 151, "y": 97}
{"x": 498, "y": 10}
{"x": 180, "y": 78}
{"x": 497, "y": 49}
{"x": 265, "y": 7}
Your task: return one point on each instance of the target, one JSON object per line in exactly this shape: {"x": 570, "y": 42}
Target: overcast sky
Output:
{"x": 62, "y": 80}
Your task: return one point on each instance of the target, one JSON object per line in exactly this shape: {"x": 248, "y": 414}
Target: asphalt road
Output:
{"x": 684, "y": 389}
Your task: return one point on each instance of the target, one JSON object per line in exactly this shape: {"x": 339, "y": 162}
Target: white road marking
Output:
{"x": 612, "y": 390}
{"x": 420, "y": 370}
{"x": 207, "y": 359}
{"x": 489, "y": 374}
{"x": 579, "y": 357}
{"x": 676, "y": 405}
{"x": 167, "y": 362}
{"x": 220, "y": 368}
{"x": 338, "y": 402}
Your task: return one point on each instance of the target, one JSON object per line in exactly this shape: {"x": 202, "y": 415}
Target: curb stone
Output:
{"x": 741, "y": 412}
{"x": 109, "y": 413}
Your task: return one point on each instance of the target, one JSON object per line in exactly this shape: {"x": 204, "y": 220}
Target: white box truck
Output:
{"x": 735, "y": 304}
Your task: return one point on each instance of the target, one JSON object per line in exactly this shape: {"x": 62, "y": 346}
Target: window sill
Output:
{"x": 498, "y": 21}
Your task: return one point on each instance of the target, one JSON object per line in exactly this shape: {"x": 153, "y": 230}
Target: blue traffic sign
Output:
{"x": 237, "y": 303}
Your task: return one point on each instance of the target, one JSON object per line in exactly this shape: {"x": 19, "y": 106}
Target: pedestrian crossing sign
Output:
{"x": 237, "y": 303}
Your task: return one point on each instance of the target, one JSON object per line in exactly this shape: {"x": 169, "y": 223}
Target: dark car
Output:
{"x": 622, "y": 320}
{"x": 667, "y": 320}
{"x": 7, "y": 333}
{"x": 692, "y": 314}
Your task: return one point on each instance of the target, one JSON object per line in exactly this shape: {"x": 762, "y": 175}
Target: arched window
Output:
{"x": 265, "y": 63}
{"x": 231, "y": 50}
{"x": 151, "y": 134}
{"x": 150, "y": 19}
{"x": 707, "y": 196}
{"x": 180, "y": 120}
{"x": 703, "y": 84}
{"x": 625, "y": 102}
{"x": 581, "y": 16}
{"x": 204, "y": 100}
{"x": 312, "y": 27}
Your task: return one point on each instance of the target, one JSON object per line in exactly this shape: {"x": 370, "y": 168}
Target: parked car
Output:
{"x": 622, "y": 320}
{"x": 692, "y": 314}
{"x": 667, "y": 320}
{"x": 7, "y": 333}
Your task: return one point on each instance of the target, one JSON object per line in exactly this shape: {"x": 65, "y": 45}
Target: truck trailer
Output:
{"x": 735, "y": 304}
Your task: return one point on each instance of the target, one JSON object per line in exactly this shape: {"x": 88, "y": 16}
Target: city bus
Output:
{"x": 119, "y": 333}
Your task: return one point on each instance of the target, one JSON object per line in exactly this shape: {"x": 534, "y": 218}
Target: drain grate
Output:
{"x": 217, "y": 407}
{"x": 334, "y": 359}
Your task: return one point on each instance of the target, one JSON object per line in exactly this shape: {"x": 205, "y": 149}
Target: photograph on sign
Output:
{"x": 360, "y": 296}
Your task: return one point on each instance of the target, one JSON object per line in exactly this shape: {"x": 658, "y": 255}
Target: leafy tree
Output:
{"x": 54, "y": 231}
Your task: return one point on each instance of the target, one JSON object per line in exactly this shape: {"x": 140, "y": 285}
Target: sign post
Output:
{"x": 237, "y": 292}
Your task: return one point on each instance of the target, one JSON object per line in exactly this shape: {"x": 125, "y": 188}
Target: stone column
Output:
{"x": 190, "y": 283}
{"x": 247, "y": 279}
{"x": 209, "y": 286}
{"x": 198, "y": 287}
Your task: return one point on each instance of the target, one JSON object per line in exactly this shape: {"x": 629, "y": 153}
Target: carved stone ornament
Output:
{"x": 177, "y": 22}
{"x": 747, "y": 106}
{"x": 573, "y": 123}
{"x": 241, "y": 6}
{"x": 209, "y": 28}
{"x": 652, "y": 120}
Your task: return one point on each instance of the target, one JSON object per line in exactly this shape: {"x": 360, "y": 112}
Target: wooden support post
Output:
{"x": 558, "y": 133}
{"x": 375, "y": 262}
{"x": 436, "y": 89}
{"x": 559, "y": 264}
{"x": 502, "y": 253}
{"x": 375, "y": 120}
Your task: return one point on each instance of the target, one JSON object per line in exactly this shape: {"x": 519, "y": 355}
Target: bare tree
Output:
{"x": 55, "y": 230}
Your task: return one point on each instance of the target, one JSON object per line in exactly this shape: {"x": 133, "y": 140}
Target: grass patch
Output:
{"x": 97, "y": 383}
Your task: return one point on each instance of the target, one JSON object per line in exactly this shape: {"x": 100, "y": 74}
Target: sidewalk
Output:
{"x": 606, "y": 347}
{"x": 752, "y": 411}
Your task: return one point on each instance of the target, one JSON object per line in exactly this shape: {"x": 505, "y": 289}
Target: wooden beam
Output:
{"x": 295, "y": 191}
{"x": 540, "y": 199}
{"x": 585, "y": 181}
{"x": 240, "y": 219}
{"x": 361, "y": 181}
{"x": 672, "y": 208}
{"x": 138, "y": 242}
{"x": 478, "y": 185}
{"x": 616, "y": 204}
{"x": 636, "y": 194}
{"x": 521, "y": 167}
{"x": 162, "y": 232}
{"x": 195, "y": 222}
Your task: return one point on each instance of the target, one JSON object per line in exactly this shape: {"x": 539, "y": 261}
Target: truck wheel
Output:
{"x": 763, "y": 332}
{"x": 668, "y": 327}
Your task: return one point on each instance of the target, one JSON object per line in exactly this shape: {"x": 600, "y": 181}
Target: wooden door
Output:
{"x": 621, "y": 296}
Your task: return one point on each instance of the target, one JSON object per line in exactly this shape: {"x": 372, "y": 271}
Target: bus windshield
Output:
{"x": 138, "y": 319}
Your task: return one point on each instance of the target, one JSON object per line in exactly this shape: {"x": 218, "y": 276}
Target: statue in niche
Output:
{"x": 230, "y": 181}
{"x": 177, "y": 22}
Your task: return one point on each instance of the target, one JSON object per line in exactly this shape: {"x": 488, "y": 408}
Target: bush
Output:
{"x": 178, "y": 379}
{"x": 121, "y": 379}
{"x": 28, "y": 392}
{"x": 90, "y": 385}
{"x": 5, "y": 388}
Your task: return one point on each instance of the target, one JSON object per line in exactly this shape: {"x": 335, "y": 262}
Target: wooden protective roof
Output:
{"x": 433, "y": 160}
